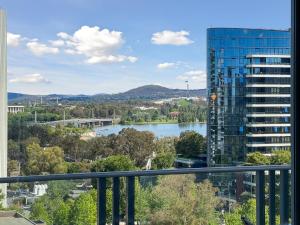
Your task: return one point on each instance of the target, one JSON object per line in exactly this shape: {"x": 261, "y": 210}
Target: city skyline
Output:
{"x": 90, "y": 48}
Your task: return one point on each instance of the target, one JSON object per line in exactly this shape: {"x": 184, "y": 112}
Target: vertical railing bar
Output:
{"x": 260, "y": 197}
{"x": 272, "y": 208}
{"x": 101, "y": 201}
{"x": 116, "y": 201}
{"x": 284, "y": 197}
{"x": 130, "y": 200}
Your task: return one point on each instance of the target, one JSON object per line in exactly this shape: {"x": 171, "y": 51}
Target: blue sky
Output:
{"x": 97, "y": 46}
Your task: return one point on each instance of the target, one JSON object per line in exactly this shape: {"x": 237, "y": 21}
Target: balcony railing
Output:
{"x": 130, "y": 188}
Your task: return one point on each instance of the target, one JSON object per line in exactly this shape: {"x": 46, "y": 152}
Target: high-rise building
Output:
{"x": 248, "y": 82}
{"x": 3, "y": 102}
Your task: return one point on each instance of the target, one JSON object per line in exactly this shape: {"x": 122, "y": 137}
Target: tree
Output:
{"x": 179, "y": 200}
{"x": 39, "y": 211}
{"x": 84, "y": 210}
{"x": 165, "y": 153}
{"x": 13, "y": 166}
{"x": 78, "y": 167}
{"x": 190, "y": 144}
{"x": 163, "y": 161}
{"x": 50, "y": 159}
{"x": 257, "y": 158}
{"x": 98, "y": 148}
{"x": 277, "y": 157}
{"x": 280, "y": 157}
{"x": 62, "y": 214}
{"x": 165, "y": 145}
{"x": 73, "y": 146}
{"x": 59, "y": 189}
{"x": 138, "y": 145}
{"x": 113, "y": 163}
{"x": 13, "y": 150}
{"x": 248, "y": 210}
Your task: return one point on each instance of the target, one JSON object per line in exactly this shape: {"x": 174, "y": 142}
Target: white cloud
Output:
{"x": 13, "y": 39}
{"x": 165, "y": 65}
{"x": 57, "y": 43}
{"x": 168, "y": 37}
{"x": 197, "y": 76}
{"x": 63, "y": 35}
{"x": 99, "y": 46}
{"x": 40, "y": 49}
{"x": 30, "y": 78}
{"x": 110, "y": 59}
{"x": 199, "y": 73}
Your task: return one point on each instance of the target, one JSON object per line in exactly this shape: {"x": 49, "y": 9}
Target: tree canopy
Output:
{"x": 190, "y": 144}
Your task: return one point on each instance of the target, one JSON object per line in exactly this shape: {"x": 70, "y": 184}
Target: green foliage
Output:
{"x": 39, "y": 211}
{"x": 62, "y": 215}
{"x": 39, "y": 160}
{"x": 248, "y": 210}
{"x": 191, "y": 144}
{"x": 165, "y": 153}
{"x": 113, "y": 163}
{"x": 12, "y": 166}
{"x": 13, "y": 150}
{"x": 280, "y": 157}
{"x": 98, "y": 147}
{"x": 258, "y": 158}
{"x": 179, "y": 200}
{"x": 138, "y": 145}
{"x": 163, "y": 161}
{"x": 277, "y": 157}
{"x": 84, "y": 210}
{"x": 78, "y": 167}
{"x": 59, "y": 189}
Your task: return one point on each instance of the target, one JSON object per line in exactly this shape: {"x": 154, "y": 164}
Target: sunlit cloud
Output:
{"x": 40, "y": 49}
{"x": 99, "y": 46}
{"x": 165, "y": 65}
{"x": 168, "y": 37}
{"x": 30, "y": 79}
{"x": 13, "y": 40}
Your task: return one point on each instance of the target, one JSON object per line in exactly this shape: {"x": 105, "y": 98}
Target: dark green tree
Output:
{"x": 191, "y": 144}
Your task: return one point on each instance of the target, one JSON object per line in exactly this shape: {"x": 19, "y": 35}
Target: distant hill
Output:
{"x": 147, "y": 92}
{"x": 12, "y": 95}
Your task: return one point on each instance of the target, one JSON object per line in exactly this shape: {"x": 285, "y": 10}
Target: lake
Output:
{"x": 160, "y": 130}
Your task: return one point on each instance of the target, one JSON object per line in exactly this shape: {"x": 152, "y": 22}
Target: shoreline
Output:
{"x": 159, "y": 122}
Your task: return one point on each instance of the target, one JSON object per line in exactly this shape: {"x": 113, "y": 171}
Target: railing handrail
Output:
{"x": 139, "y": 173}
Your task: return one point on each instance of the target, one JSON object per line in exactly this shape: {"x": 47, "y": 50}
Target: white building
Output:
{"x": 15, "y": 109}
{"x": 40, "y": 189}
{"x": 3, "y": 103}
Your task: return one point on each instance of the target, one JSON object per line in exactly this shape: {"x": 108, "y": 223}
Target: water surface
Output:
{"x": 160, "y": 130}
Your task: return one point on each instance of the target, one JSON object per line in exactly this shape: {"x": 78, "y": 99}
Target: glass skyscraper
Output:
{"x": 248, "y": 82}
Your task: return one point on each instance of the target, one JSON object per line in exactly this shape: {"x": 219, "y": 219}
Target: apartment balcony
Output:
{"x": 267, "y": 124}
{"x": 267, "y": 56}
{"x": 268, "y": 76}
{"x": 263, "y": 175}
{"x": 264, "y": 114}
{"x": 269, "y": 65}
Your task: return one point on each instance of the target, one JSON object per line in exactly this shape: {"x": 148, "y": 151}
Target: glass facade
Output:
{"x": 248, "y": 93}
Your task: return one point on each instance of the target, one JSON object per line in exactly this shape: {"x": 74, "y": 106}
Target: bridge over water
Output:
{"x": 86, "y": 122}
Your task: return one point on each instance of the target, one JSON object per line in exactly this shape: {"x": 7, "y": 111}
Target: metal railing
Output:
{"x": 130, "y": 188}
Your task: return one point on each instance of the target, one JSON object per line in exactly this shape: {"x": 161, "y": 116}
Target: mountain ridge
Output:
{"x": 145, "y": 92}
